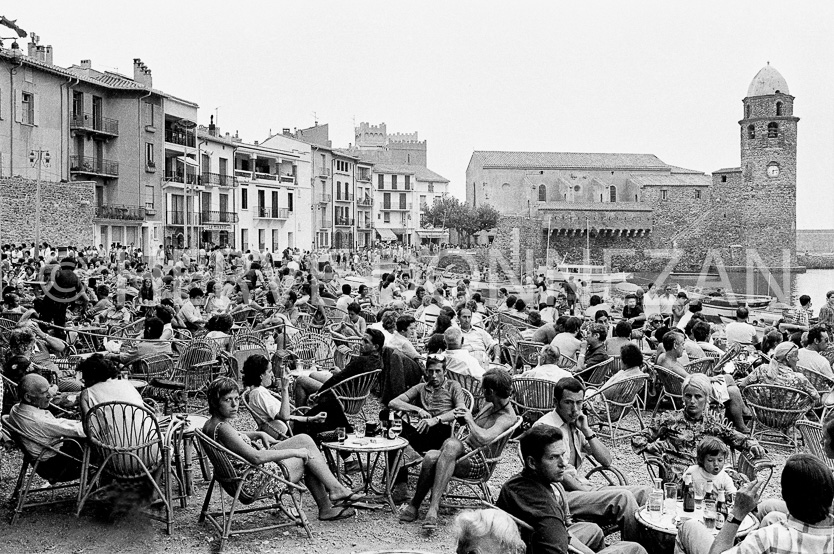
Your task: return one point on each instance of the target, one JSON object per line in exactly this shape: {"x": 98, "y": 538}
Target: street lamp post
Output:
{"x": 38, "y": 158}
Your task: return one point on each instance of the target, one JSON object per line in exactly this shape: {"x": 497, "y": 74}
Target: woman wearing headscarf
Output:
{"x": 781, "y": 371}
{"x": 674, "y": 436}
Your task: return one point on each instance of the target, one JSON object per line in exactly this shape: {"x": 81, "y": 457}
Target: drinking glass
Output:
{"x": 359, "y": 431}
{"x": 700, "y": 488}
{"x": 396, "y": 428}
{"x": 670, "y": 495}
{"x": 710, "y": 514}
{"x": 341, "y": 435}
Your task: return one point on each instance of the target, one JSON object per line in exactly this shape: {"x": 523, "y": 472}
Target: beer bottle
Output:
{"x": 721, "y": 509}
{"x": 688, "y": 494}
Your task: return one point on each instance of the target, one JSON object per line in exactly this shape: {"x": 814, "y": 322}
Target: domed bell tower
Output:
{"x": 768, "y": 159}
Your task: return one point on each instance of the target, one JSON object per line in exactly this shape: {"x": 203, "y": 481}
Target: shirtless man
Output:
{"x": 439, "y": 466}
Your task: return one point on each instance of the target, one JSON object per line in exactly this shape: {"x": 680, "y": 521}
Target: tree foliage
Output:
{"x": 450, "y": 213}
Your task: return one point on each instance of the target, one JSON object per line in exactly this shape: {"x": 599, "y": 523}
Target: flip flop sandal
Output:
{"x": 344, "y": 513}
{"x": 430, "y": 524}
{"x": 349, "y": 500}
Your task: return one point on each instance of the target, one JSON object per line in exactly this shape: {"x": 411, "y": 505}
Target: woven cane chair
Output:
{"x": 244, "y": 345}
{"x": 352, "y": 393}
{"x": 30, "y": 466}
{"x": 527, "y": 352}
{"x": 532, "y": 396}
{"x": 228, "y": 475}
{"x": 597, "y": 374}
{"x": 776, "y": 409}
{"x": 314, "y": 348}
{"x": 616, "y": 401}
{"x": 702, "y": 365}
{"x": 822, "y": 383}
{"x": 334, "y": 314}
{"x": 480, "y": 487}
{"x": 468, "y": 383}
{"x": 126, "y": 444}
{"x": 671, "y": 387}
{"x": 566, "y": 362}
{"x": 811, "y": 433}
{"x": 368, "y": 316}
{"x": 346, "y": 346}
{"x": 195, "y": 368}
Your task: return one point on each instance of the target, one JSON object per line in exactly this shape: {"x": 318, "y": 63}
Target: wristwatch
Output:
{"x": 592, "y": 437}
{"x": 733, "y": 520}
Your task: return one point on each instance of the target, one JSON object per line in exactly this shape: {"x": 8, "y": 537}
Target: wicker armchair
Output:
{"x": 671, "y": 387}
{"x": 231, "y": 480}
{"x": 811, "y": 433}
{"x": 314, "y": 348}
{"x": 346, "y": 346}
{"x": 567, "y": 362}
{"x": 527, "y": 352}
{"x": 597, "y": 374}
{"x": 23, "y": 488}
{"x": 532, "y": 396}
{"x": 196, "y": 367}
{"x": 822, "y": 383}
{"x": 702, "y": 365}
{"x": 353, "y": 392}
{"x": 471, "y": 384}
{"x": 259, "y": 421}
{"x": 615, "y": 402}
{"x": 127, "y": 444}
{"x": 243, "y": 346}
{"x": 492, "y": 455}
{"x": 776, "y": 409}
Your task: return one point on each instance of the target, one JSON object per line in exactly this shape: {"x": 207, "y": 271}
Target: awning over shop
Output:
{"x": 432, "y": 233}
{"x": 386, "y": 234}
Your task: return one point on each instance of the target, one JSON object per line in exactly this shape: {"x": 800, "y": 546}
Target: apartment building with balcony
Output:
{"x": 364, "y": 203}
{"x": 98, "y": 126}
{"x": 274, "y": 200}
{"x": 401, "y": 193}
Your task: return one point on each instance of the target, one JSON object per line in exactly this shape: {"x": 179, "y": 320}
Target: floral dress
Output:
{"x": 679, "y": 435}
{"x": 257, "y": 484}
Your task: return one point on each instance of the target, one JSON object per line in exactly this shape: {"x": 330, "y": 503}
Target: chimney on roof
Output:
{"x": 285, "y": 131}
{"x": 49, "y": 54}
{"x": 141, "y": 74}
{"x": 31, "y": 50}
{"x": 86, "y": 64}
{"x": 212, "y": 128}
{"x": 256, "y": 143}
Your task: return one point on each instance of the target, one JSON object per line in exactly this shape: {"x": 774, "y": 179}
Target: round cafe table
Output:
{"x": 664, "y": 529}
{"x": 372, "y": 448}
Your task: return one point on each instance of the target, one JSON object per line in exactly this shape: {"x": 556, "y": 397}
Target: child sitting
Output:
{"x": 712, "y": 454}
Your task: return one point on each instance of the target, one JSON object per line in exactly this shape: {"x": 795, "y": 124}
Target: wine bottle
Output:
{"x": 688, "y": 494}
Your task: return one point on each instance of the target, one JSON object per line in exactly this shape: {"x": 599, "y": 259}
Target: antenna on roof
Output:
{"x": 315, "y": 120}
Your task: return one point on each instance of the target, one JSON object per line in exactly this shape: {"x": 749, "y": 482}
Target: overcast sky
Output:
{"x": 653, "y": 77}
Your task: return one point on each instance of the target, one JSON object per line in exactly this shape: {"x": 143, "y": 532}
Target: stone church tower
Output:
{"x": 756, "y": 202}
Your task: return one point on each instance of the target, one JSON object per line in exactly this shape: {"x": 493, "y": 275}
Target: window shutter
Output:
{"x": 36, "y": 109}
{"x": 18, "y": 105}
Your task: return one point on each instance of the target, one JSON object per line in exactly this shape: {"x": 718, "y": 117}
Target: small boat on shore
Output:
{"x": 584, "y": 272}
{"x": 725, "y": 304}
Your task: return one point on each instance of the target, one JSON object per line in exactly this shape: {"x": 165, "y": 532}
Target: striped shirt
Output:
{"x": 788, "y": 537}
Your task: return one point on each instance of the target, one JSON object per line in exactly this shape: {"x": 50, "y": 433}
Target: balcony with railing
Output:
{"x": 273, "y": 212}
{"x": 208, "y": 217}
{"x": 364, "y": 176}
{"x": 288, "y": 179}
{"x": 344, "y": 222}
{"x": 180, "y": 177}
{"x": 94, "y": 124}
{"x": 261, "y": 176}
{"x": 324, "y": 172}
{"x": 366, "y": 201}
{"x": 120, "y": 213}
{"x": 368, "y": 225}
{"x": 217, "y": 216}
{"x": 88, "y": 165}
{"x": 325, "y": 199}
{"x": 397, "y": 207}
{"x": 219, "y": 180}
{"x": 344, "y": 198}
{"x": 181, "y": 137}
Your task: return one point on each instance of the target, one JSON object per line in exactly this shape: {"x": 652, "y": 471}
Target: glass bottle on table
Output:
{"x": 721, "y": 509}
{"x": 656, "y": 498}
{"x": 688, "y": 494}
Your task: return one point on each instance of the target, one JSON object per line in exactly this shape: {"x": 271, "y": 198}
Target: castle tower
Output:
{"x": 755, "y": 204}
{"x": 768, "y": 154}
